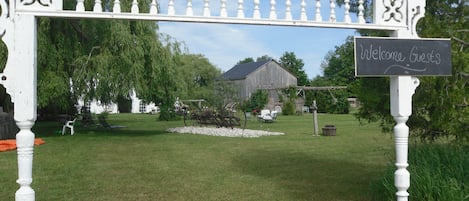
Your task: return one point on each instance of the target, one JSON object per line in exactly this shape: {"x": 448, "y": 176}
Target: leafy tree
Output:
{"x": 373, "y": 94}
{"x": 339, "y": 65}
{"x": 257, "y": 101}
{"x": 295, "y": 65}
{"x": 196, "y": 77}
{"x": 264, "y": 58}
{"x": 245, "y": 61}
{"x": 338, "y": 70}
{"x": 158, "y": 78}
{"x": 102, "y": 60}
{"x": 367, "y": 4}
{"x": 449, "y": 113}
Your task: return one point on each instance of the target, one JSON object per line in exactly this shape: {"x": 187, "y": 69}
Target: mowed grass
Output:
{"x": 144, "y": 162}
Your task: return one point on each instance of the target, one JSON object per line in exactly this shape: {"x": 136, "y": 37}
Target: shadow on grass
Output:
{"x": 307, "y": 176}
{"x": 54, "y": 129}
{"x": 103, "y": 132}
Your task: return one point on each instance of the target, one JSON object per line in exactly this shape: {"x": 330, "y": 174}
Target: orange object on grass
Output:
{"x": 6, "y": 145}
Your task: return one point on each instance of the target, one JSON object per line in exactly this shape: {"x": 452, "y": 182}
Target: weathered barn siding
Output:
{"x": 241, "y": 88}
{"x": 269, "y": 76}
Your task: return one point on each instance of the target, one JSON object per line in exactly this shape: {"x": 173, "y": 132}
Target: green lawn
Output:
{"x": 143, "y": 162}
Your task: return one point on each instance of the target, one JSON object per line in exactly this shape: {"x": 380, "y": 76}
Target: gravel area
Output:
{"x": 225, "y": 132}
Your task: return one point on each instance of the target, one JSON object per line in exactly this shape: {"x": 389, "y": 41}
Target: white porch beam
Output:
{"x": 213, "y": 19}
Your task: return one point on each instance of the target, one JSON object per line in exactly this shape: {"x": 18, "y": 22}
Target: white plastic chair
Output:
{"x": 69, "y": 124}
{"x": 265, "y": 116}
{"x": 274, "y": 114}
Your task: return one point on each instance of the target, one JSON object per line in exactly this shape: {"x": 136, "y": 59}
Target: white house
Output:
{"x": 137, "y": 106}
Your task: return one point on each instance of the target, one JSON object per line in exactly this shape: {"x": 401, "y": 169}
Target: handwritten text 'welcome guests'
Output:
{"x": 415, "y": 55}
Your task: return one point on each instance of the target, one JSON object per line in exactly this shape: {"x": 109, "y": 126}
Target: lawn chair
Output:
{"x": 70, "y": 125}
{"x": 274, "y": 115}
{"x": 266, "y": 116}
{"x": 103, "y": 123}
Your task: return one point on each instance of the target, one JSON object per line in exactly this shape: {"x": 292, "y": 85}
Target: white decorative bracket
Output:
{"x": 405, "y": 13}
{"x": 7, "y": 34}
{"x": 39, "y": 5}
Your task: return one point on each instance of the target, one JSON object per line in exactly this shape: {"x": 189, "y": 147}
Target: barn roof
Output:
{"x": 240, "y": 71}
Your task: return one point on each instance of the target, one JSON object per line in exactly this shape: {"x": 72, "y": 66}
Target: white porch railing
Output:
{"x": 388, "y": 16}
{"x": 18, "y": 31}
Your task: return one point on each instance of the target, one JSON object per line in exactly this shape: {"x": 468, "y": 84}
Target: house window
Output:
{"x": 86, "y": 108}
{"x": 142, "y": 107}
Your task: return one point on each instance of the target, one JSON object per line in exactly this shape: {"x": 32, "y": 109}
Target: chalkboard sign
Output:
{"x": 375, "y": 57}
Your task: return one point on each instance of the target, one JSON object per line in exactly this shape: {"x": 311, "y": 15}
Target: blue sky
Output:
{"x": 224, "y": 45}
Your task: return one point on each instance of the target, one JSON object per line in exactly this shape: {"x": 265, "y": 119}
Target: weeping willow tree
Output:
{"x": 103, "y": 60}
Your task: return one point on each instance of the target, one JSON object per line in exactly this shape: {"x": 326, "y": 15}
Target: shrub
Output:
{"x": 257, "y": 101}
{"x": 288, "y": 108}
{"x": 437, "y": 172}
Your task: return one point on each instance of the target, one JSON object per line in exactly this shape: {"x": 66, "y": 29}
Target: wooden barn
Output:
{"x": 268, "y": 75}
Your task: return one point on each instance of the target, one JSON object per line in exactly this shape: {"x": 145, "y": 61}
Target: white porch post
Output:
{"x": 19, "y": 78}
{"x": 402, "y": 89}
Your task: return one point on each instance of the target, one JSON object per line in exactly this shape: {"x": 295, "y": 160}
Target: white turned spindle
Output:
{"x": 303, "y": 16}
{"x": 25, "y": 151}
{"x": 401, "y": 90}
{"x": 257, "y": 12}
{"x": 189, "y": 11}
{"x": 347, "y": 18}
{"x": 318, "y": 16}
{"x": 171, "y": 10}
{"x": 288, "y": 10}
{"x": 80, "y": 6}
{"x": 273, "y": 13}
{"x": 332, "y": 17}
{"x": 153, "y": 8}
{"x": 117, "y": 7}
{"x": 401, "y": 175}
{"x": 223, "y": 12}
{"x": 206, "y": 8}
{"x": 135, "y": 8}
{"x": 361, "y": 9}
{"x": 97, "y": 6}
{"x": 240, "y": 9}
